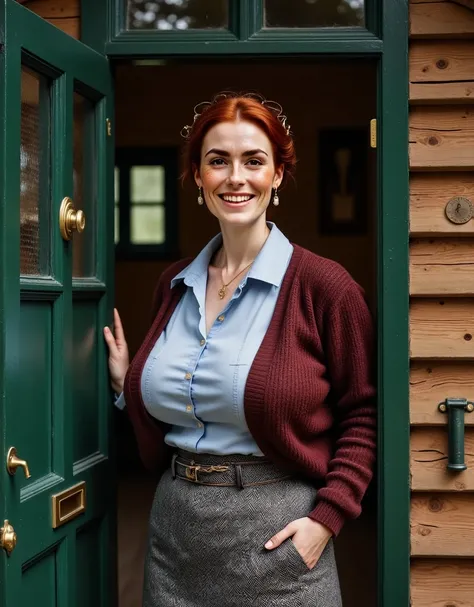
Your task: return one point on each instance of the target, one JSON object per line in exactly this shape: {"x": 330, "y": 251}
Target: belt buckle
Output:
{"x": 191, "y": 473}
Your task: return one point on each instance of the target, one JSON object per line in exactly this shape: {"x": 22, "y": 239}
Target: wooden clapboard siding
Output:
{"x": 64, "y": 14}
{"x": 442, "y": 267}
{"x": 442, "y": 524}
{"x": 431, "y": 382}
{"x": 429, "y": 455}
{"x": 442, "y": 329}
{"x": 441, "y": 153}
{"x": 440, "y": 20}
{"x": 442, "y": 71}
{"x": 442, "y": 583}
{"x": 441, "y": 92}
{"x": 429, "y": 193}
{"x": 468, "y": 3}
{"x": 440, "y": 138}
{"x": 446, "y": 61}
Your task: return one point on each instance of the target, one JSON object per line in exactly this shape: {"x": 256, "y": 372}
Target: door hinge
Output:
{"x": 108, "y": 124}
{"x": 373, "y": 133}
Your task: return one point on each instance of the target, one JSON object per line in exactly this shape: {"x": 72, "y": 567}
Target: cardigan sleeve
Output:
{"x": 349, "y": 349}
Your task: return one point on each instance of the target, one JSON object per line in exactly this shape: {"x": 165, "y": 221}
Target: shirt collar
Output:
{"x": 269, "y": 266}
{"x": 271, "y": 263}
{"x": 198, "y": 267}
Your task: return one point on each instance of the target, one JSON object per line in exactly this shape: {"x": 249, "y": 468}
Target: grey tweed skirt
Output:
{"x": 206, "y": 548}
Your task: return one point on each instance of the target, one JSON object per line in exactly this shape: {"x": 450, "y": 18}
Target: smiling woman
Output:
{"x": 260, "y": 352}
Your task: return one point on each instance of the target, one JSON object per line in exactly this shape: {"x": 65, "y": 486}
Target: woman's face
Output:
{"x": 237, "y": 172}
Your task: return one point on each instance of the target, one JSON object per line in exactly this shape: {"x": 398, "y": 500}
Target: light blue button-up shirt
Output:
{"x": 196, "y": 381}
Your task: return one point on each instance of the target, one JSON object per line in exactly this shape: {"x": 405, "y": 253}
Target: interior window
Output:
{"x": 145, "y": 202}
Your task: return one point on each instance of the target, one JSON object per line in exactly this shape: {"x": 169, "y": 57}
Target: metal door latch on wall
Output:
{"x": 455, "y": 408}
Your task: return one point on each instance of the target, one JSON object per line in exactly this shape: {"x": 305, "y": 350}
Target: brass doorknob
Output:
{"x": 70, "y": 220}
{"x": 7, "y": 537}
{"x": 14, "y": 462}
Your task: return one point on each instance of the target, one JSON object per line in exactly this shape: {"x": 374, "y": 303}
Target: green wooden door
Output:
{"x": 55, "y": 297}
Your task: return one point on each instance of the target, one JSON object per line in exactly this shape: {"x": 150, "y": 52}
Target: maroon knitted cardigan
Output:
{"x": 309, "y": 399}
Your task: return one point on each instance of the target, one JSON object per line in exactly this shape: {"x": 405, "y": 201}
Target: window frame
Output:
{"x": 246, "y": 34}
{"x": 125, "y": 159}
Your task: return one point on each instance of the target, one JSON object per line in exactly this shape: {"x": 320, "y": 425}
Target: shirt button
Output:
{"x": 188, "y": 376}
{"x": 189, "y": 408}
{"x": 221, "y": 318}
{"x": 203, "y": 341}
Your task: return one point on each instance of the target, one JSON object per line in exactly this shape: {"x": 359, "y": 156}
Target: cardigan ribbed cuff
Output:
{"x": 329, "y": 516}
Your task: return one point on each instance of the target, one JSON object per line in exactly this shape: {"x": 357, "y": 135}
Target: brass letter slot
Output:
{"x": 68, "y": 504}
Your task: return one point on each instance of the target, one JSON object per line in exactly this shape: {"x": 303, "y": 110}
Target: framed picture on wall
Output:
{"x": 343, "y": 174}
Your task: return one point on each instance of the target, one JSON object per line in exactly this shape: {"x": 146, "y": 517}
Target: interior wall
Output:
{"x": 152, "y": 105}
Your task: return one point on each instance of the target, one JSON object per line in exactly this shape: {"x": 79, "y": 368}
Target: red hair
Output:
{"x": 234, "y": 107}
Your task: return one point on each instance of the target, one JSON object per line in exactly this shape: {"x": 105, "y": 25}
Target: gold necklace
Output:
{"x": 223, "y": 290}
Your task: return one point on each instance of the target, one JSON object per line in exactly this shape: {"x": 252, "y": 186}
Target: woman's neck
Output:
{"x": 240, "y": 246}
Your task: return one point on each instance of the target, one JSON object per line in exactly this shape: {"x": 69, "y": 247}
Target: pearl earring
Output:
{"x": 276, "y": 199}
{"x": 200, "y": 198}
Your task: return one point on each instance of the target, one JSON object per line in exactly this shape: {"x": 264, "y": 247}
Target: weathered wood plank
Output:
{"x": 63, "y": 14}
{"x": 442, "y": 61}
{"x": 442, "y": 524}
{"x": 442, "y": 329}
{"x": 442, "y": 583}
{"x": 51, "y": 9}
{"x": 440, "y": 20}
{"x": 442, "y": 267}
{"x": 441, "y": 138}
{"x": 432, "y": 382}
{"x": 69, "y": 26}
{"x": 441, "y": 93}
{"x": 468, "y": 3}
{"x": 429, "y": 456}
{"x": 429, "y": 194}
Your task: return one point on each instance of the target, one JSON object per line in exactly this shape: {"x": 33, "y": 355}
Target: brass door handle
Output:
{"x": 70, "y": 220}
{"x": 7, "y": 537}
{"x": 14, "y": 462}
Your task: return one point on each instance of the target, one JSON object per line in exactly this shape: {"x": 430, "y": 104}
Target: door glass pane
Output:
{"x": 35, "y": 174}
{"x": 85, "y": 190}
{"x": 314, "y": 13}
{"x": 177, "y": 14}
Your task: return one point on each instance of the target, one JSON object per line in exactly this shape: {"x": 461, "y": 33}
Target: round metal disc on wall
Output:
{"x": 459, "y": 210}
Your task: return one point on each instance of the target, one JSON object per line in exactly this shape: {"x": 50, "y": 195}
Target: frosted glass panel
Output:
{"x": 165, "y": 15}
{"x": 85, "y": 186}
{"x": 35, "y": 174}
{"x": 314, "y": 13}
{"x": 147, "y": 225}
{"x": 147, "y": 184}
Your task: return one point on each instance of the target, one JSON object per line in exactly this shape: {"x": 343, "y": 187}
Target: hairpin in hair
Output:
{"x": 201, "y": 107}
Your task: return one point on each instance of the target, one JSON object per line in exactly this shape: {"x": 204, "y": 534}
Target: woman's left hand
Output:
{"x": 309, "y": 537}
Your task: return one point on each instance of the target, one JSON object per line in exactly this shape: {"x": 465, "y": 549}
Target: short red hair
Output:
{"x": 232, "y": 107}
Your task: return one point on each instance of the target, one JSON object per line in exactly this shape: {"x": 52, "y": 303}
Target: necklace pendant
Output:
{"x": 222, "y": 292}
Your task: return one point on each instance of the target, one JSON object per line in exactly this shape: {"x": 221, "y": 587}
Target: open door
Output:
{"x": 56, "y": 258}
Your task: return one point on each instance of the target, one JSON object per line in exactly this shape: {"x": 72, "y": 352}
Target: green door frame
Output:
{"x": 385, "y": 40}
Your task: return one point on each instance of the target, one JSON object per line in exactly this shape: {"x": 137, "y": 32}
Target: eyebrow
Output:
{"x": 226, "y": 154}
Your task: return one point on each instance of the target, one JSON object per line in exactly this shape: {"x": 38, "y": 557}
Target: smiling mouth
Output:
{"x": 236, "y": 198}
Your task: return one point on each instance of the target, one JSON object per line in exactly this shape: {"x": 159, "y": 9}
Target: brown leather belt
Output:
{"x": 225, "y": 471}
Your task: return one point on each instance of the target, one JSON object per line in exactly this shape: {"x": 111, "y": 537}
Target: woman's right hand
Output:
{"x": 118, "y": 354}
